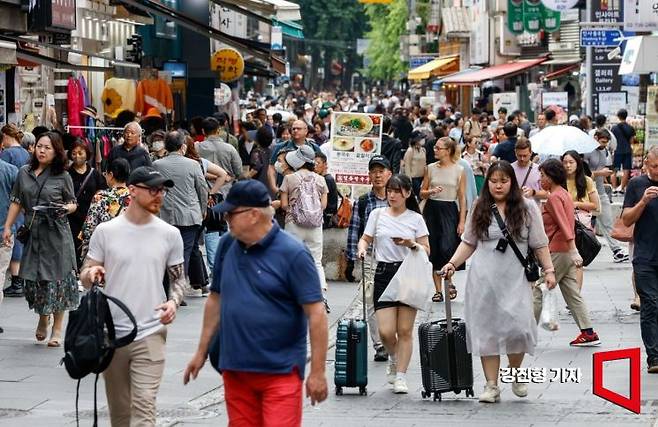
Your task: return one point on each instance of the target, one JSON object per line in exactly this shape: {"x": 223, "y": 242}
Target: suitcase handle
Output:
{"x": 363, "y": 288}
{"x": 446, "y": 297}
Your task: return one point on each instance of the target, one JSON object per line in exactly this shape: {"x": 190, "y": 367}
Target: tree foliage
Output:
{"x": 387, "y": 23}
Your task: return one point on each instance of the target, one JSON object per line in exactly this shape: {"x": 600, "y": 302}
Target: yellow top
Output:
{"x": 571, "y": 187}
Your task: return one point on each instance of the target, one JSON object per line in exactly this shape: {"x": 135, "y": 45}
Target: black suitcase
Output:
{"x": 445, "y": 363}
{"x": 351, "y": 365}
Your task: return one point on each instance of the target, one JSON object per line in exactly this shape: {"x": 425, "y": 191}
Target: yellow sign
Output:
{"x": 229, "y": 63}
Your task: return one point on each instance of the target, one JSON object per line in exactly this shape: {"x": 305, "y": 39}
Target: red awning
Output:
{"x": 493, "y": 73}
{"x": 562, "y": 71}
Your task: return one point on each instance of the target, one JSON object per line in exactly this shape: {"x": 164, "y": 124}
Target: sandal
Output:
{"x": 452, "y": 292}
{"x": 42, "y": 330}
{"x": 438, "y": 297}
{"x": 55, "y": 338}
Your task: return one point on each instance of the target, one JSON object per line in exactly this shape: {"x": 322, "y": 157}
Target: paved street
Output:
{"x": 35, "y": 389}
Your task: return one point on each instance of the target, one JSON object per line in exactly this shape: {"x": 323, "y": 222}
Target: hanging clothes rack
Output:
{"x": 93, "y": 127}
{"x": 100, "y": 140}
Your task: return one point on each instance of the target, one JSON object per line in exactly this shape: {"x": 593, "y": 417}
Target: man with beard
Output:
{"x": 131, "y": 253}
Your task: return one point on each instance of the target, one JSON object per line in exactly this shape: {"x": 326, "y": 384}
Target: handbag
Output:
{"x": 529, "y": 262}
{"x": 23, "y": 232}
{"x": 412, "y": 284}
{"x": 620, "y": 232}
{"x": 586, "y": 242}
{"x": 214, "y": 221}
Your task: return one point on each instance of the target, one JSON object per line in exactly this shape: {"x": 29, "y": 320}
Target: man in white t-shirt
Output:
{"x": 130, "y": 254}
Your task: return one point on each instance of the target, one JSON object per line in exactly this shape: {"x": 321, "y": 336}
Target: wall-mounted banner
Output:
{"x": 550, "y": 20}
{"x": 640, "y": 15}
{"x": 515, "y": 16}
{"x": 559, "y": 5}
{"x": 532, "y": 15}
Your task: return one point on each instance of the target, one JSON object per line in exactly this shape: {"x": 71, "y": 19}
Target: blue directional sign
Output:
{"x": 600, "y": 38}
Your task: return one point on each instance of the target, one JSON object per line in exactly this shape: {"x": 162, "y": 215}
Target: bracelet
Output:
{"x": 453, "y": 265}
{"x": 550, "y": 270}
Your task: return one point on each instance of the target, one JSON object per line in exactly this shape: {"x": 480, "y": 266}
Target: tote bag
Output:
{"x": 412, "y": 284}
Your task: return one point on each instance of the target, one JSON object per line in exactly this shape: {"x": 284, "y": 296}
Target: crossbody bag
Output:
{"x": 529, "y": 262}
{"x": 24, "y": 231}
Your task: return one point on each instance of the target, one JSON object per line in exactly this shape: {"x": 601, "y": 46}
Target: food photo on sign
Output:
{"x": 355, "y": 138}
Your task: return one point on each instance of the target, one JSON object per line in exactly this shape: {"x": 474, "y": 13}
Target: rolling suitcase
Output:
{"x": 445, "y": 362}
{"x": 351, "y": 366}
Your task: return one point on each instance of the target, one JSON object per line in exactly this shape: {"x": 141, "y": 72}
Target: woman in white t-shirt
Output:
{"x": 395, "y": 231}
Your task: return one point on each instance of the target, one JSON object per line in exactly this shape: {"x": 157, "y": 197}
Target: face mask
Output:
{"x": 278, "y": 167}
{"x": 158, "y": 145}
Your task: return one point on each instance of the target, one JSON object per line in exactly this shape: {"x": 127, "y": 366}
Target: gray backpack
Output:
{"x": 307, "y": 211}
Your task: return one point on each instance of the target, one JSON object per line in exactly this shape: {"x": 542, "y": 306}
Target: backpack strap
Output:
{"x": 121, "y": 342}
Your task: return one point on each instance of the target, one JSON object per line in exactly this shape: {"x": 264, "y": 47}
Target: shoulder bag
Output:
{"x": 528, "y": 262}
{"x": 586, "y": 242}
{"x": 24, "y": 231}
{"x": 84, "y": 182}
{"x": 620, "y": 232}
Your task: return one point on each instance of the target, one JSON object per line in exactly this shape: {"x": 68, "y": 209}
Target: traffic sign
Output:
{"x": 601, "y": 38}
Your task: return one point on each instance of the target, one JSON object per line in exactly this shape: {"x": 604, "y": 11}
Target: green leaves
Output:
{"x": 387, "y": 23}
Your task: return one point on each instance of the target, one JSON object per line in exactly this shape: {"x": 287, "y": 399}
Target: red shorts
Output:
{"x": 263, "y": 400}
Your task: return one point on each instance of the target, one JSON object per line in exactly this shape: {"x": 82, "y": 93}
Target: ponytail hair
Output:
{"x": 402, "y": 182}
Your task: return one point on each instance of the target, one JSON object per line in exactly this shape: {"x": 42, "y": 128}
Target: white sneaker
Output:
{"x": 520, "y": 389}
{"x": 391, "y": 371}
{"x": 491, "y": 394}
{"x": 400, "y": 386}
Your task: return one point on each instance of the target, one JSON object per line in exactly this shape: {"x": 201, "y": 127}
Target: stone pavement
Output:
{"x": 36, "y": 391}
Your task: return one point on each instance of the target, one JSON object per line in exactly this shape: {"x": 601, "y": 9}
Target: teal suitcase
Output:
{"x": 351, "y": 365}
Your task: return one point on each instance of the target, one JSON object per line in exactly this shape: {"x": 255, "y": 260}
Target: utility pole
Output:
{"x": 589, "y": 109}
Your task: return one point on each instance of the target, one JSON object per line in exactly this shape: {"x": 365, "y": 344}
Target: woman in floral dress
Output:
{"x": 107, "y": 204}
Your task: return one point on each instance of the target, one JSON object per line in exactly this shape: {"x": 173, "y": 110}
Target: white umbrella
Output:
{"x": 557, "y": 140}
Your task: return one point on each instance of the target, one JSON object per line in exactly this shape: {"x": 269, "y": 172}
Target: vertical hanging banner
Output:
{"x": 532, "y": 15}
{"x": 641, "y": 15}
{"x": 550, "y": 19}
{"x": 515, "y": 16}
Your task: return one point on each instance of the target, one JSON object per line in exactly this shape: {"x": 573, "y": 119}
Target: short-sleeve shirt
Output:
{"x": 534, "y": 177}
{"x": 136, "y": 156}
{"x": 136, "y": 257}
{"x": 383, "y": 227}
{"x": 597, "y": 160}
{"x": 16, "y": 155}
{"x": 623, "y": 132}
{"x": 292, "y": 185}
{"x": 645, "y": 234}
{"x": 505, "y": 150}
{"x": 573, "y": 192}
{"x": 263, "y": 287}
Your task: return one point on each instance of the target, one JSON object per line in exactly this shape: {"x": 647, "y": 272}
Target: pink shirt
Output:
{"x": 559, "y": 220}
{"x": 533, "y": 177}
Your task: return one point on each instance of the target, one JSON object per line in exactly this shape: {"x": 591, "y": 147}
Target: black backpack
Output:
{"x": 90, "y": 338}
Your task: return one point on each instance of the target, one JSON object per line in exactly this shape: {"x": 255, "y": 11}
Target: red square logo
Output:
{"x": 631, "y": 403}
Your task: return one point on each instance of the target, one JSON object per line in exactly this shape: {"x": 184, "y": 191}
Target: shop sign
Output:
{"x": 532, "y": 16}
{"x": 52, "y": 15}
{"x": 561, "y": 99}
{"x": 223, "y": 95}
{"x": 355, "y": 138}
{"x": 611, "y": 102}
{"x": 603, "y": 37}
{"x": 509, "y": 100}
{"x": 63, "y": 14}
{"x": 640, "y": 15}
{"x": 559, "y": 5}
{"x": 276, "y": 38}
{"x": 229, "y": 63}
{"x": 550, "y": 20}
{"x": 605, "y": 71}
{"x": 479, "y": 45}
{"x": 515, "y": 16}
{"x": 651, "y": 122}
{"x": 3, "y": 98}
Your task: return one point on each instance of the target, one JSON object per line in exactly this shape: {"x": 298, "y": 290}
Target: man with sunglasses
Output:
{"x": 129, "y": 255}
{"x": 131, "y": 149}
{"x": 299, "y": 132}
{"x": 265, "y": 300}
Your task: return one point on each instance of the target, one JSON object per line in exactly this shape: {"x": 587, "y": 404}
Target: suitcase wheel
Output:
{"x": 424, "y": 395}
{"x": 437, "y": 396}
{"x": 469, "y": 393}
{"x": 339, "y": 391}
{"x": 363, "y": 391}
{"x": 458, "y": 391}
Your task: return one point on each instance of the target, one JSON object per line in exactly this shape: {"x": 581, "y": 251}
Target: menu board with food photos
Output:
{"x": 355, "y": 138}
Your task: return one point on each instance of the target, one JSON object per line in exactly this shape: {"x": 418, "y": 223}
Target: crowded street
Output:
{"x": 273, "y": 213}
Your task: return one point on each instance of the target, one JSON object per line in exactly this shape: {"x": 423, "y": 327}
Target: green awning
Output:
{"x": 290, "y": 28}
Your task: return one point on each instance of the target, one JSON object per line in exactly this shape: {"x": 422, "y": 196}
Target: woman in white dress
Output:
{"x": 498, "y": 298}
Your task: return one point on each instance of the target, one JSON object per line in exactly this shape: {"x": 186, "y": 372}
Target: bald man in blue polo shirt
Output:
{"x": 264, "y": 299}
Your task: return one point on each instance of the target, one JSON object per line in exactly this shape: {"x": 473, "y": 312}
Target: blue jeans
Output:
{"x": 646, "y": 283}
{"x": 211, "y": 242}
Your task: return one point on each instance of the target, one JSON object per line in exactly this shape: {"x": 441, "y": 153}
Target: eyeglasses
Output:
{"x": 153, "y": 191}
{"x": 235, "y": 213}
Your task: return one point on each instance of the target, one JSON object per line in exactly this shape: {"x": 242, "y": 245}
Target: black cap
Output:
{"x": 416, "y": 136}
{"x": 379, "y": 160}
{"x": 248, "y": 193}
{"x": 150, "y": 177}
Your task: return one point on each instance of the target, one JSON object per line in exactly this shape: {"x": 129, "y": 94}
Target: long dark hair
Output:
{"x": 554, "y": 169}
{"x": 581, "y": 182}
{"x": 401, "y": 182}
{"x": 515, "y": 208}
{"x": 59, "y": 163}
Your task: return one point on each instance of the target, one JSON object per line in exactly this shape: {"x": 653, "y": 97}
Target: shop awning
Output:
{"x": 290, "y": 29}
{"x": 561, "y": 72}
{"x": 37, "y": 58}
{"x": 435, "y": 68}
{"x": 247, "y": 47}
{"x": 563, "y": 61}
{"x": 8, "y": 53}
{"x": 493, "y": 73}
{"x": 278, "y": 9}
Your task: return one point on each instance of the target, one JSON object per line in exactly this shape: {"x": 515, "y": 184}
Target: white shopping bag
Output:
{"x": 412, "y": 284}
{"x": 549, "y": 311}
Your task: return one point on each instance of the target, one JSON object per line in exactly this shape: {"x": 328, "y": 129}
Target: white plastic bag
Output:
{"x": 412, "y": 284}
{"x": 549, "y": 311}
